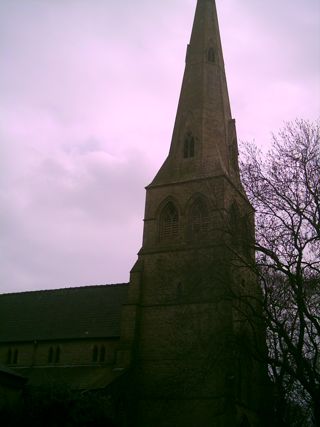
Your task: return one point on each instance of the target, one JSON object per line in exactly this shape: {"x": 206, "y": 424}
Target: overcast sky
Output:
{"x": 88, "y": 95}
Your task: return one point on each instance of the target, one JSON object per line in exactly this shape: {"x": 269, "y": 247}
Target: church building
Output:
{"x": 176, "y": 343}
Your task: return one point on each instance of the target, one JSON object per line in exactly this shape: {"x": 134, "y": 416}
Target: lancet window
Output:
{"x": 198, "y": 219}
{"x": 50, "y": 355}
{"x": 188, "y": 146}
{"x": 95, "y": 354}
{"x": 98, "y": 354}
{"x": 9, "y": 356}
{"x": 12, "y": 356}
{"x": 54, "y": 355}
{"x": 169, "y": 222}
{"x": 57, "y": 355}
{"x": 102, "y": 353}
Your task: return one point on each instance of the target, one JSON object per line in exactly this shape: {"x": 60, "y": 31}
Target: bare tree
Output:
{"x": 284, "y": 189}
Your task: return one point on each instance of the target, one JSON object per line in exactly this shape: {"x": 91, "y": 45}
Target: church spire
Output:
{"x": 204, "y": 138}
{"x": 180, "y": 328}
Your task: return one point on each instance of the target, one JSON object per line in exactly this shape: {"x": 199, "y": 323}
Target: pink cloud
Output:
{"x": 89, "y": 94}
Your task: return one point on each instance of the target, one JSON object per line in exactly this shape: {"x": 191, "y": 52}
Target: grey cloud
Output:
{"x": 74, "y": 219}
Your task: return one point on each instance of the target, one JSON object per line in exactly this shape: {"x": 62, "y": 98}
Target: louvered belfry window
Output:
{"x": 199, "y": 219}
{"x": 169, "y": 222}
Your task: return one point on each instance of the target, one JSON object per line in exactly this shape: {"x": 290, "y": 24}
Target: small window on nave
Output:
{"x": 188, "y": 146}
{"x": 57, "y": 355}
{"x": 54, "y": 354}
{"x": 95, "y": 354}
{"x": 12, "y": 356}
{"x": 169, "y": 222}
{"x": 102, "y": 353}
{"x": 211, "y": 55}
{"x": 50, "y": 355}
{"x": 15, "y": 357}
{"x": 9, "y": 356}
{"x": 99, "y": 354}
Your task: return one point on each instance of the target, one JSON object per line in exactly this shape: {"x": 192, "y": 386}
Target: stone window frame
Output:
{"x": 99, "y": 353}
{"x": 102, "y": 354}
{"x": 95, "y": 354}
{"x": 169, "y": 222}
{"x": 50, "y": 355}
{"x": 54, "y": 354}
{"x": 197, "y": 217}
{"x": 189, "y": 145}
{"x": 12, "y": 356}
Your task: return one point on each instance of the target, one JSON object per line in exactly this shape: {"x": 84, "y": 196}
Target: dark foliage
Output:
{"x": 58, "y": 406}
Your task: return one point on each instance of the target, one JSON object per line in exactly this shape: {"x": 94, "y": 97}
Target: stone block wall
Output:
{"x": 75, "y": 352}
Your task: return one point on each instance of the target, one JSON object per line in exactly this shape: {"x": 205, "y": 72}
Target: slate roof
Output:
{"x": 77, "y": 377}
{"x": 11, "y": 379}
{"x": 70, "y": 313}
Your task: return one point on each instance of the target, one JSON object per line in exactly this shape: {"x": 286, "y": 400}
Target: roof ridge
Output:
{"x": 71, "y": 288}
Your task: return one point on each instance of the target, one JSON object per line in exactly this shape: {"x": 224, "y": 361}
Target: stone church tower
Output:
{"x": 185, "y": 315}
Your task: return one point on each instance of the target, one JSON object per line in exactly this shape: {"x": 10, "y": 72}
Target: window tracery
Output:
{"x": 169, "y": 222}
{"x": 198, "y": 219}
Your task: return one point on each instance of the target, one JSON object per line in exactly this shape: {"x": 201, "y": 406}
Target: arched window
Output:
{"x": 188, "y": 146}
{"x": 198, "y": 219}
{"x": 54, "y": 354}
{"x": 211, "y": 55}
{"x": 15, "y": 357}
{"x": 102, "y": 353}
{"x": 169, "y": 222}
{"x": 99, "y": 354}
{"x": 50, "y": 355}
{"x": 95, "y": 354}
{"x": 9, "y": 356}
{"x": 57, "y": 355}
